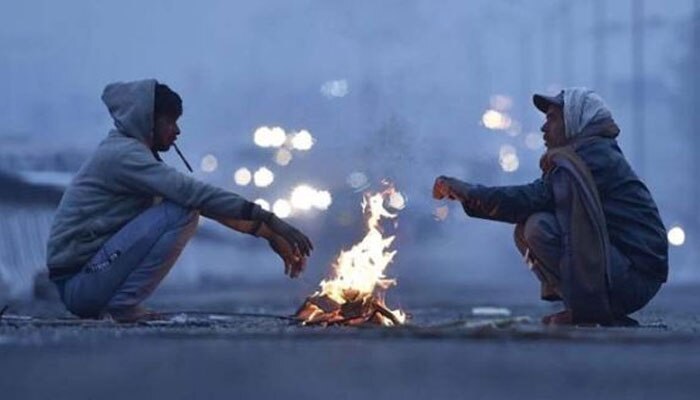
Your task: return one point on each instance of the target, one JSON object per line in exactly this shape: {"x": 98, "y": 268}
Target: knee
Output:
{"x": 539, "y": 228}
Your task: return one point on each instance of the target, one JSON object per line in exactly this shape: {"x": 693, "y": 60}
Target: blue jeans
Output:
{"x": 132, "y": 263}
{"x": 540, "y": 238}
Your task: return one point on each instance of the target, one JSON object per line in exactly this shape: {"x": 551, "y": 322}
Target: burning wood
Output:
{"x": 354, "y": 294}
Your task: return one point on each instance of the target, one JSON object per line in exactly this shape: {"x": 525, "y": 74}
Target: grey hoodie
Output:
{"x": 121, "y": 179}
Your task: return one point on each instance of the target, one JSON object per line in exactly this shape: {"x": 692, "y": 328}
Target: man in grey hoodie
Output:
{"x": 126, "y": 216}
{"x": 589, "y": 227}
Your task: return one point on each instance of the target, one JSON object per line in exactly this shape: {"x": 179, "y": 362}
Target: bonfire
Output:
{"x": 355, "y": 291}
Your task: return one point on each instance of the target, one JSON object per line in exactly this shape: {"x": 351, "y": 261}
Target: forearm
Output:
{"x": 139, "y": 172}
{"x": 250, "y": 227}
{"x": 511, "y": 204}
{"x": 458, "y": 190}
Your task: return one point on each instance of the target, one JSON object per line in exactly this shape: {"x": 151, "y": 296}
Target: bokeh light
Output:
{"x": 303, "y": 197}
{"x": 302, "y": 140}
{"x": 242, "y": 176}
{"x": 357, "y": 180}
{"x": 676, "y": 236}
{"x": 265, "y": 136}
{"x": 209, "y": 163}
{"x": 337, "y": 88}
{"x": 282, "y": 208}
{"x": 496, "y": 120}
{"x": 323, "y": 200}
{"x": 262, "y": 136}
{"x": 263, "y": 177}
{"x": 264, "y": 204}
{"x": 508, "y": 158}
{"x": 283, "y": 157}
{"x": 277, "y": 137}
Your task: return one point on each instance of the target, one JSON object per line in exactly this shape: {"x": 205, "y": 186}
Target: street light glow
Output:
{"x": 264, "y": 204}
{"x": 209, "y": 163}
{"x": 303, "y": 197}
{"x": 676, "y": 236}
{"x": 283, "y": 157}
{"x": 496, "y": 120}
{"x": 302, "y": 140}
{"x": 263, "y": 177}
{"x": 508, "y": 158}
{"x": 242, "y": 176}
{"x": 282, "y": 208}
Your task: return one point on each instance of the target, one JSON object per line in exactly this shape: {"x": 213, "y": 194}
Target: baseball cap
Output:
{"x": 542, "y": 102}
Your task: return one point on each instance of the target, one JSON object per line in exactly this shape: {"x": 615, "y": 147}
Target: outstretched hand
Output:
{"x": 294, "y": 262}
{"x": 297, "y": 240}
{"x": 441, "y": 188}
{"x": 451, "y": 188}
{"x": 290, "y": 244}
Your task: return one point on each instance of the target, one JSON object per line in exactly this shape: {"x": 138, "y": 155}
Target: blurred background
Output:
{"x": 337, "y": 96}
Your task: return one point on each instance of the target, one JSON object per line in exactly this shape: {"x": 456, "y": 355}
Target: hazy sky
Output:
{"x": 429, "y": 66}
{"x": 57, "y": 56}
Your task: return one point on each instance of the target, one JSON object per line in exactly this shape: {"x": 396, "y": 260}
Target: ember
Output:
{"x": 355, "y": 292}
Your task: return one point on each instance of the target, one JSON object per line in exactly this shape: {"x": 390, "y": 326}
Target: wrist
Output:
{"x": 459, "y": 190}
{"x": 265, "y": 232}
{"x": 256, "y": 228}
{"x": 258, "y": 214}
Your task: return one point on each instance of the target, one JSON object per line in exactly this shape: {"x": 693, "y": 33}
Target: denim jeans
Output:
{"x": 132, "y": 263}
{"x": 539, "y": 239}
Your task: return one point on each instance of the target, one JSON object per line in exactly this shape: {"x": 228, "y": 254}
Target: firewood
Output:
{"x": 324, "y": 302}
{"x": 387, "y": 313}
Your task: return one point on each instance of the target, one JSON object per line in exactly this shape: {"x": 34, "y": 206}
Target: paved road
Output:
{"x": 217, "y": 352}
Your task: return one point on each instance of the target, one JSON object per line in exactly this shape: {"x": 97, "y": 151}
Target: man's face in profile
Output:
{"x": 553, "y": 128}
{"x": 165, "y": 132}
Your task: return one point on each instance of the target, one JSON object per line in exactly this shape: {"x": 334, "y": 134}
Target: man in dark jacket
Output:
{"x": 588, "y": 228}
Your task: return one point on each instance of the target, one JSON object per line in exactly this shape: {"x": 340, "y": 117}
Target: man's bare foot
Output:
{"x": 560, "y": 318}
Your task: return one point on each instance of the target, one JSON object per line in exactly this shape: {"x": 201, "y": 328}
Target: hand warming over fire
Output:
{"x": 451, "y": 188}
{"x": 297, "y": 240}
{"x": 440, "y": 188}
{"x": 294, "y": 261}
{"x": 289, "y": 243}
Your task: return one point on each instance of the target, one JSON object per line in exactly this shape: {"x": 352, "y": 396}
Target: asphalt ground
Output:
{"x": 236, "y": 342}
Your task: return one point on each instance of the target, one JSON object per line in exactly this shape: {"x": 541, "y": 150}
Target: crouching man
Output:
{"x": 126, "y": 216}
{"x": 588, "y": 227}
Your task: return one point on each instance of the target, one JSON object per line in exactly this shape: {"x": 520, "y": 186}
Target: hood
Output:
{"x": 583, "y": 108}
{"x": 131, "y": 106}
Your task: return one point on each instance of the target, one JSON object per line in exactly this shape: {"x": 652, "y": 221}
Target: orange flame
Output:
{"x": 359, "y": 273}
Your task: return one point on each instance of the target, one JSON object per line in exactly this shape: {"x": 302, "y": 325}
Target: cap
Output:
{"x": 542, "y": 102}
